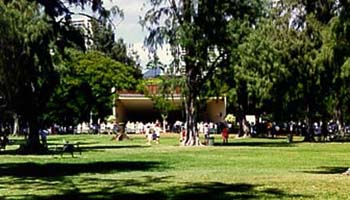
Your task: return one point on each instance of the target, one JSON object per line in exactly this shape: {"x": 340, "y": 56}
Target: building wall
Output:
{"x": 84, "y": 23}
{"x": 141, "y": 109}
{"x": 120, "y": 111}
{"x": 216, "y": 110}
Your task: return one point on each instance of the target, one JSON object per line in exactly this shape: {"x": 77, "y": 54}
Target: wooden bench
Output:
{"x": 70, "y": 148}
{"x": 2, "y": 145}
{"x": 3, "y": 142}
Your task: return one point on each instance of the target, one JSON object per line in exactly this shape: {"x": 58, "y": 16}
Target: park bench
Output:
{"x": 2, "y": 145}
{"x": 69, "y": 148}
{"x": 3, "y": 142}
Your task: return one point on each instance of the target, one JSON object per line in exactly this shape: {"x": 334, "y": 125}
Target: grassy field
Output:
{"x": 244, "y": 169}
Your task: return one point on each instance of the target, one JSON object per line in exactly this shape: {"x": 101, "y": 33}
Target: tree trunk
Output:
{"x": 164, "y": 117}
{"x": 240, "y": 130}
{"x": 15, "y": 130}
{"x": 193, "y": 83}
{"x": 309, "y": 137}
{"x": 33, "y": 145}
{"x": 339, "y": 120}
{"x": 191, "y": 137}
{"x": 242, "y": 107}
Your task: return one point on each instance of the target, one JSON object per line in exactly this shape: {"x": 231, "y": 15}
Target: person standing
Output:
{"x": 148, "y": 133}
{"x": 206, "y": 133}
{"x": 43, "y": 136}
{"x": 224, "y": 134}
{"x": 157, "y": 132}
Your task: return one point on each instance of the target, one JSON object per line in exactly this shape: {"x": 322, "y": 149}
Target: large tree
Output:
{"x": 334, "y": 58}
{"x": 197, "y": 32}
{"x": 31, "y": 33}
{"x": 27, "y": 71}
{"x": 310, "y": 45}
{"x": 315, "y": 54}
{"x": 86, "y": 86}
{"x": 254, "y": 71}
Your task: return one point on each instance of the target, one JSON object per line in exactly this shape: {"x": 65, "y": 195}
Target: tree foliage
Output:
{"x": 297, "y": 57}
{"x": 103, "y": 38}
{"x": 197, "y": 32}
{"x": 315, "y": 87}
{"x": 26, "y": 66}
{"x": 289, "y": 58}
{"x": 31, "y": 33}
{"x": 86, "y": 86}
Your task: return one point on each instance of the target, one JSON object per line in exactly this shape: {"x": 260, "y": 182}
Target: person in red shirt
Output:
{"x": 224, "y": 135}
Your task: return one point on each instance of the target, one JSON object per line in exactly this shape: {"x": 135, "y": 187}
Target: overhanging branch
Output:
{"x": 176, "y": 11}
{"x": 212, "y": 68}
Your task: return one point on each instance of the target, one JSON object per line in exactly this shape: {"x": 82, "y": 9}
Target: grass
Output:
{"x": 243, "y": 169}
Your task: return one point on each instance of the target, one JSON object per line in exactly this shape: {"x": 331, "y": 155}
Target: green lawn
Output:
{"x": 243, "y": 169}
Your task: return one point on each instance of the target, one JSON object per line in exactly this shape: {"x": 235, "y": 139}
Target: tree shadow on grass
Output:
{"x": 256, "y": 144}
{"x": 217, "y": 190}
{"x": 86, "y": 148}
{"x": 328, "y": 170}
{"x": 61, "y": 142}
{"x": 211, "y": 190}
{"x": 57, "y": 149}
{"x": 9, "y": 152}
{"x": 36, "y": 170}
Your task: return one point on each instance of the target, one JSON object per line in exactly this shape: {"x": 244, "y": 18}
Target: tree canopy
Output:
{"x": 86, "y": 86}
{"x": 26, "y": 65}
{"x": 197, "y": 32}
{"x": 288, "y": 58}
{"x": 31, "y": 35}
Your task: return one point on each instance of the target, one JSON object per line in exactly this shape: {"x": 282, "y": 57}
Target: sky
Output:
{"x": 129, "y": 28}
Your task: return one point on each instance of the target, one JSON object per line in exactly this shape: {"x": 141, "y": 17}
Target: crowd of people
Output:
{"x": 320, "y": 130}
{"x": 152, "y": 130}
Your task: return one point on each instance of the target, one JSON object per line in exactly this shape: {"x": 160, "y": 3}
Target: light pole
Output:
{"x": 113, "y": 90}
{"x": 90, "y": 118}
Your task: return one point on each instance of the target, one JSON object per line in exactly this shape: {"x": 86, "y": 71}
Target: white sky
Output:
{"x": 130, "y": 30}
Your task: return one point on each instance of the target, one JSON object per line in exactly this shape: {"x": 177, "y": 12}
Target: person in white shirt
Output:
{"x": 148, "y": 133}
{"x": 157, "y": 130}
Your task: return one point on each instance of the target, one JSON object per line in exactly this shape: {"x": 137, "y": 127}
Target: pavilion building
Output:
{"x": 134, "y": 106}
